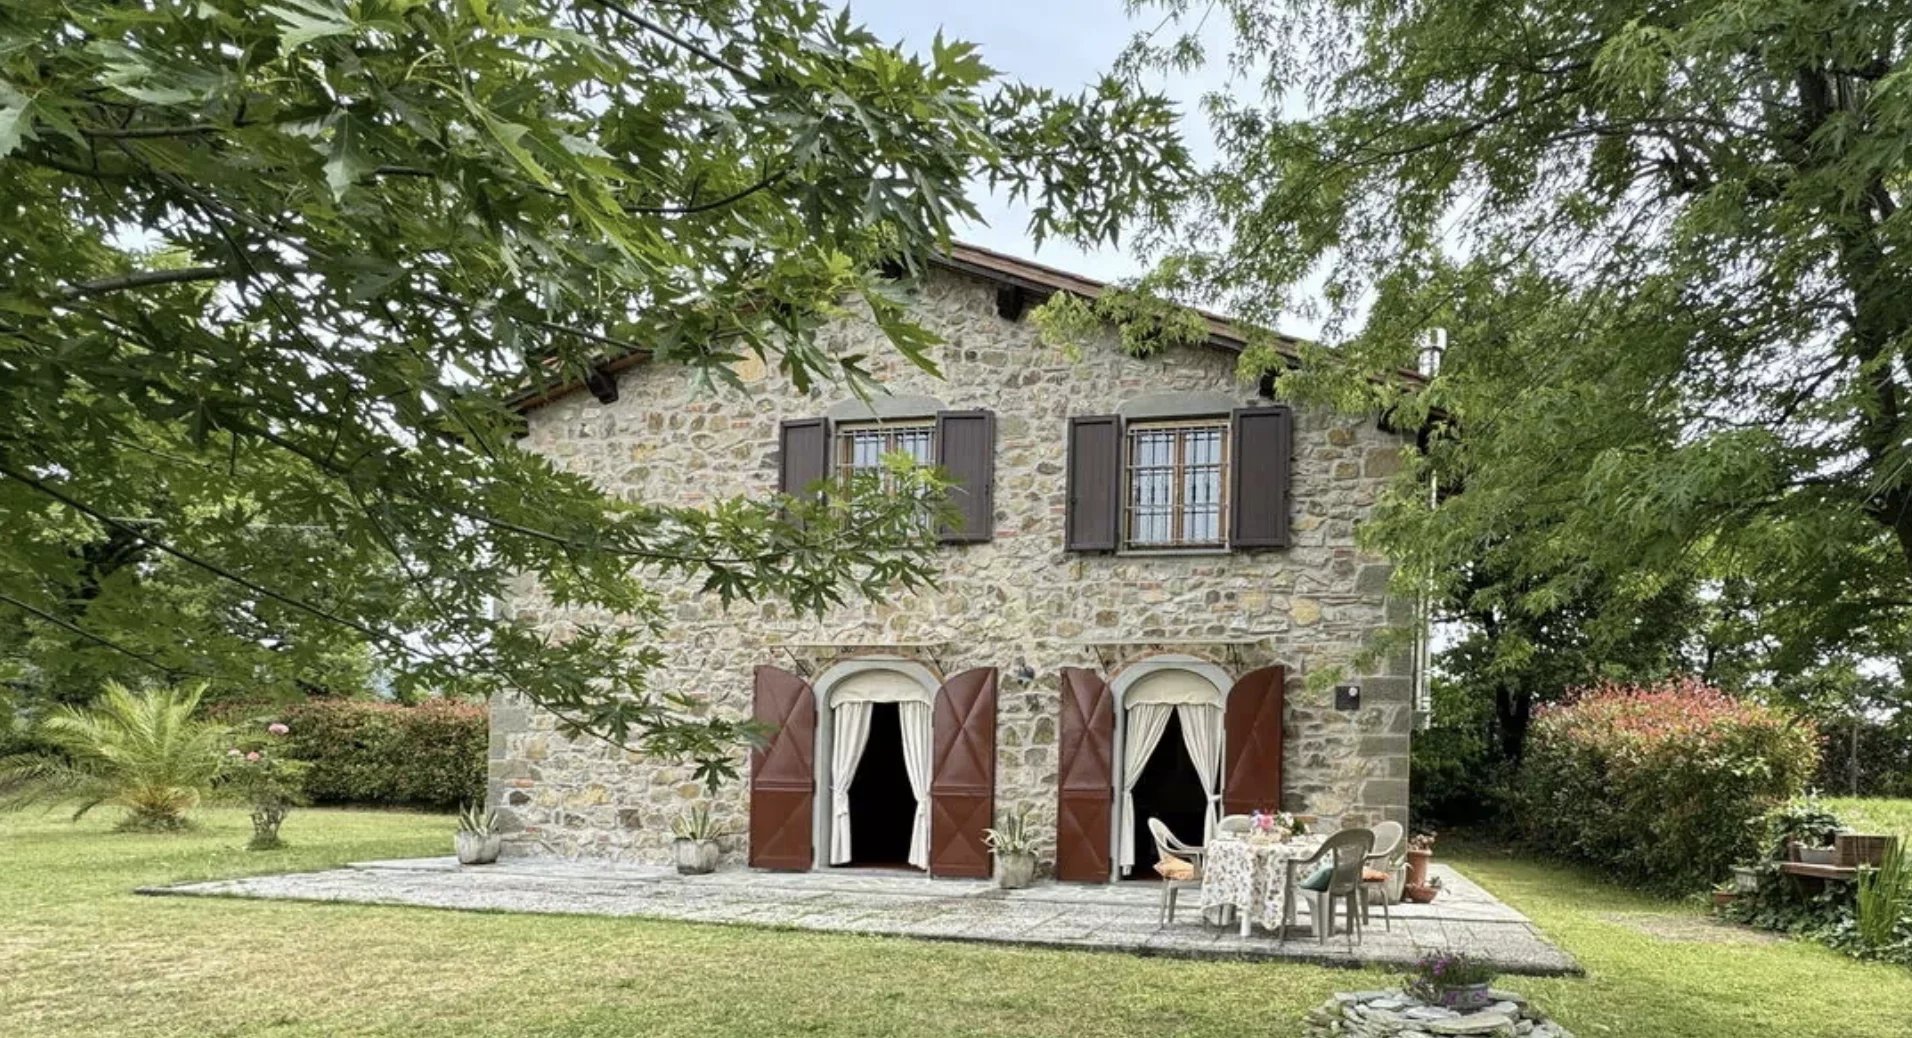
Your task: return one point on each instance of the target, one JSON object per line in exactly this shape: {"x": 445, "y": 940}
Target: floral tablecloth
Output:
{"x": 1248, "y": 873}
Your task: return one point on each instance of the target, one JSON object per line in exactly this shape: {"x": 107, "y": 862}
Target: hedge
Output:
{"x": 431, "y": 755}
{"x": 1661, "y": 784}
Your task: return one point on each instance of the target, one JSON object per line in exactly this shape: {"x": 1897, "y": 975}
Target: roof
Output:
{"x": 988, "y": 264}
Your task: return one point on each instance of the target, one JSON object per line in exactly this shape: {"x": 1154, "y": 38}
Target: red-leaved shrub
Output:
{"x": 1658, "y": 783}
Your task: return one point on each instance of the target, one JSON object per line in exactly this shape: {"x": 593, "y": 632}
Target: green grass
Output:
{"x": 1874, "y": 814}
{"x": 79, "y": 954}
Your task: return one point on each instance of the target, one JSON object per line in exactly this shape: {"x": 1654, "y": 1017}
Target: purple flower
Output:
{"x": 254, "y": 755}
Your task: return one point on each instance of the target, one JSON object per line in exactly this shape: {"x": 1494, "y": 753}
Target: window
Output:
{"x": 860, "y": 448}
{"x": 1176, "y": 484}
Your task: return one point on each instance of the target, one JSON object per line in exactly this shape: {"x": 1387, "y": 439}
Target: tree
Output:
{"x": 1668, "y": 246}
{"x": 280, "y": 266}
{"x": 145, "y": 752}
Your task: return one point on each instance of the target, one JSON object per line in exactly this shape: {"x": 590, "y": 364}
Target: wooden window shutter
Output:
{"x": 1252, "y": 742}
{"x": 966, "y": 449}
{"x": 803, "y": 454}
{"x": 1094, "y": 515}
{"x": 1260, "y": 469}
{"x": 1085, "y": 777}
{"x": 962, "y": 788}
{"x": 782, "y": 782}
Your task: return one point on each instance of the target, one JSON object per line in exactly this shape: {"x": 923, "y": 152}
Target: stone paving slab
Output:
{"x": 1108, "y": 917}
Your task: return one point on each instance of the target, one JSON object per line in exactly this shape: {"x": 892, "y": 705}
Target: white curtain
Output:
{"x": 914, "y": 717}
{"x": 1202, "y": 734}
{"x": 1147, "y": 722}
{"x": 850, "y": 735}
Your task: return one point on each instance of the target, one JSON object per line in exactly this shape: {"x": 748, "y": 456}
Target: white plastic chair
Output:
{"x": 1390, "y": 857}
{"x": 1166, "y": 844}
{"x": 1234, "y": 824}
{"x": 1346, "y": 849}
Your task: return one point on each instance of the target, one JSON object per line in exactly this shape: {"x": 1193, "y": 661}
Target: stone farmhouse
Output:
{"x": 1153, "y": 558}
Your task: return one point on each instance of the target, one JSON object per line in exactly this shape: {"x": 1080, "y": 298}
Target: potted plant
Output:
{"x": 1015, "y": 847}
{"x": 1725, "y": 893}
{"x": 1452, "y": 980}
{"x": 695, "y": 848}
{"x": 478, "y": 841}
{"x": 1420, "y": 849}
{"x": 1802, "y": 830}
{"x": 1746, "y": 879}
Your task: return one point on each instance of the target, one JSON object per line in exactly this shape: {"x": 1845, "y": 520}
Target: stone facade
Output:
{"x": 1017, "y": 599}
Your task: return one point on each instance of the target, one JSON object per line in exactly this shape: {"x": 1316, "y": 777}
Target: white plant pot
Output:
{"x": 477, "y": 848}
{"x": 1745, "y": 880}
{"x": 1015, "y": 871}
{"x": 695, "y": 857}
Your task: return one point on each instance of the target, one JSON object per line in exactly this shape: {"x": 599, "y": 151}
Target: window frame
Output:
{"x": 843, "y": 444}
{"x": 1223, "y": 427}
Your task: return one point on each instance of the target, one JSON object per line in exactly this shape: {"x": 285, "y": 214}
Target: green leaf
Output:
{"x": 308, "y": 20}
{"x": 15, "y": 125}
{"x": 346, "y": 162}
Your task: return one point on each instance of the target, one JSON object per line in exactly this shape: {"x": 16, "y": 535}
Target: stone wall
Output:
{"x": 1017, "y": 599}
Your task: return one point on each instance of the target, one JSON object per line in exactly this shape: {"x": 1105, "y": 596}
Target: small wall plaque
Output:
{"x": 1347, "y": 697}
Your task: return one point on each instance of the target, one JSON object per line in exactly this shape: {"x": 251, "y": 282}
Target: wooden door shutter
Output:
{"x": 1085, "y": 777}
{"x": 1095, "y": 483}
{"x": 966, "y": 449}
{"x": 782, "y": 781}
{"x": 1251, "y": 742}
{"x": 1262, "y": 459}
{"x": 803, "y": 454}
{"x": 962, "y": 788}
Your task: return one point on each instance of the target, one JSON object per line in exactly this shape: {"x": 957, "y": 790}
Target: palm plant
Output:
{"x": 145, "y": 752}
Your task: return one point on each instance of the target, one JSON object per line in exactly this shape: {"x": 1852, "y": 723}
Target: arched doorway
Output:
{"x": 1168, "y": 759}
{"x": 873, "y": 763}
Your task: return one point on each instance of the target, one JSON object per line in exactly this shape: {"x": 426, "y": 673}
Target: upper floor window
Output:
{"x": 860, "y": 446}
{"x": 1201, "y": 480}
{"x": 1176, "y": 485}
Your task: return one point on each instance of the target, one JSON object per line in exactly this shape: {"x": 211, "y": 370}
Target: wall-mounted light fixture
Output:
{"x": 1023, "y": 673}
{"x": 1347, "y": 697}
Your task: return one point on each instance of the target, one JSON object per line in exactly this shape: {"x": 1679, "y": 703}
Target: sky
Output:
{"x": 1063, "y": 44}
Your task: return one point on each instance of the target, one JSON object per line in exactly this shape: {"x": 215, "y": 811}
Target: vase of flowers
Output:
{"x": 1275, "y": 824}
{"x": 1015, "y": 847}
{"x": 1452, "y": 980}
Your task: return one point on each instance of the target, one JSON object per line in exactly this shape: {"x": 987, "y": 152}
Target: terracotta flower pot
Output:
{"x": 1419, "y": 893}
{"x": 1722, "y": 898}
{"x": 1417, "y": 867}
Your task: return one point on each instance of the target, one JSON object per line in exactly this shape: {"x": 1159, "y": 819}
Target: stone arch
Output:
{"x": 1172, "y": 679}
{"x": 876, "y": 679}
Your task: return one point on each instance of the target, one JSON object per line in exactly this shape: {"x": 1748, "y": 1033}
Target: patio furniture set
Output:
{"x": 1258, "y": 870}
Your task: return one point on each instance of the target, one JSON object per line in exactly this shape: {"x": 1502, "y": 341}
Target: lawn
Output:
{"x": 83, "y": 955}
{"x": 1874, "y": 815}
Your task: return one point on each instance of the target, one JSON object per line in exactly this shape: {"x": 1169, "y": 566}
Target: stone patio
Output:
{"x": 1118, "y": 917}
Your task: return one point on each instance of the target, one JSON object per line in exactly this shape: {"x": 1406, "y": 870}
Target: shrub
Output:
{"x": 142, "y": 751}
{"x": 1663, "y": 783}
{"x": 432, "y": 755}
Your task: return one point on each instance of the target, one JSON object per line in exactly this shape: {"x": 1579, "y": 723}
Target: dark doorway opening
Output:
{"x": 882, "y": 807}
{"x": 1170, "y": 789}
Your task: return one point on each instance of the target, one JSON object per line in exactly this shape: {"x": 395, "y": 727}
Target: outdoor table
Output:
{"x": 1249, "y": 871}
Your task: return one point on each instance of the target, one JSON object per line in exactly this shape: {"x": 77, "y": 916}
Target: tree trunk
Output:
{"x": 1513, "y": 710}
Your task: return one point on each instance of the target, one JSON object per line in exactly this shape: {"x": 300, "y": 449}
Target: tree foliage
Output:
{"x": 273, "y": 270}
{"x": 1668, "y": 246}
